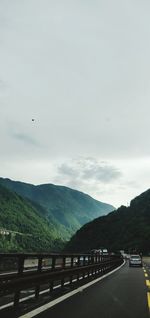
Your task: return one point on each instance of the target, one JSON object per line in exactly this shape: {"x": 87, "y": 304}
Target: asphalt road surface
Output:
{"x": 124, "y": 294}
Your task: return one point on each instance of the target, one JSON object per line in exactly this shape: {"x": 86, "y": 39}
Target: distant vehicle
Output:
{"x": 135, "y": 260}
{"x": 124, "y": 255}
{"x": 101, "y": 251}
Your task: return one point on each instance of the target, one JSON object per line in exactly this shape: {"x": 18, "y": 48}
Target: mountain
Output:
{"x": 22, "y": 227}
{"x": 67, "y": 209}
{"x": 127, "y": 228}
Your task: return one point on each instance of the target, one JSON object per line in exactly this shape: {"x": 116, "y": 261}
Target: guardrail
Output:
{"x": 34, "y": 270}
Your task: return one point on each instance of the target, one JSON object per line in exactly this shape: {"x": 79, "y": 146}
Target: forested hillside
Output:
{"x": 27, "y": 229}
{"x": 68, "y": 209}
{"x": 126, "y": 228}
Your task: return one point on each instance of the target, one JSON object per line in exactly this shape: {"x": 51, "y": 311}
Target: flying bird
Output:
{"x": 33, "y": 119}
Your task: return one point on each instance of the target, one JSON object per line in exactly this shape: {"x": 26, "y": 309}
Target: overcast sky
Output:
{"x": 81, "y": 69}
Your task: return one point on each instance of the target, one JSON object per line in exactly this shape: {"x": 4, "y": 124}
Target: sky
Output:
{"x": 81, "y": 70}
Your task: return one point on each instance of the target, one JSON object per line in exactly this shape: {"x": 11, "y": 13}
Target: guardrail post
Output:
{"x": 20, "y": 271}
{"x": 78, "y": 264}
{"x": 53, "y": 262}
{"x": 64, "y": 262}
{"x": 71, "y": 267}
{"x": 63, "y": 266}
{"x": 92, "y": 259}
{"x": 83, "y": 274}
{"x": 98, "y": 260}
{"x": 20, "y": 264}
{"x": 16, "y": 299}
{"x": 37, "y": 288}
{"x": 51, "y": 285}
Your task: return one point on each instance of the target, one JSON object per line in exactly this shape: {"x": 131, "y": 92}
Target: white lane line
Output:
{"x": 6, "y": 306}
{"x": 9, "y": 273}
{"x": 62, "y": 298}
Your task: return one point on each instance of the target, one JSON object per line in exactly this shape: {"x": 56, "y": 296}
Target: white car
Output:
{"x": 135, "y": 260}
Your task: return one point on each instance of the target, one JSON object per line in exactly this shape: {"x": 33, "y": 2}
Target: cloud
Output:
{"x": 25, "y": 138}
{"x": 88, "y": 170}
{"x": 99, "y": 178}
{"x": 102, "y": 172}
{"x": 67, "y": 170}
{"x": 22, "y": 132}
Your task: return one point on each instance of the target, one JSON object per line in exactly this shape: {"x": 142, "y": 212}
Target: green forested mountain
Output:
{"x": 126, "y": 228}
{"x": 67, "y": 209}
{"x": 27, "y": 229}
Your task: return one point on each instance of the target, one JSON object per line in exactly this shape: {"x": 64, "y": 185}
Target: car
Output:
{"x": 135, "y": 260}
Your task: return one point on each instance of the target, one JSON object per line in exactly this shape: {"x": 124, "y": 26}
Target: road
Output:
{"x": 123, "y": 294}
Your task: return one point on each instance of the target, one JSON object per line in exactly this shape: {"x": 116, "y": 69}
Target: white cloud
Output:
{"x": 88, "y": 169}
{"x": 132, "y": 180}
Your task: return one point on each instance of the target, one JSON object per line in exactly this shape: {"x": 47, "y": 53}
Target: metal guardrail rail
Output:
{"x": 34, "y": 270}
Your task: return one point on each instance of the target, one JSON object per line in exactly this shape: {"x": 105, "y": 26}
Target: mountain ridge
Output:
{"x": 127, "y": 228}
{"x": 64, "y": 207}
